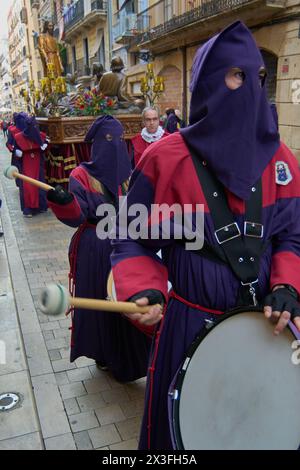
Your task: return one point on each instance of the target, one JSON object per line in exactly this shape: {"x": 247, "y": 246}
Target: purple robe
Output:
{"x": 210, "y": 285}
{"x": 108, "y": 338}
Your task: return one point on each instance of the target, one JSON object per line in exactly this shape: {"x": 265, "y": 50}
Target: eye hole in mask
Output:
{"x": 234, "y": 78}
{"x": 262, "y": 75}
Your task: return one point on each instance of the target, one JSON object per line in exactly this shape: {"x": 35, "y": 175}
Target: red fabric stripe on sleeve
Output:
{"x": 285, "y": 269}
{"x": 137, "y": 274}
{"x": 68, "y": 211}
{"x": 133, "y": 275}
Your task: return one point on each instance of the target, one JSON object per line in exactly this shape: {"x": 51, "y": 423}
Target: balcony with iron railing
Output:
{"x": 170, "y": 19}
{"x": 80, "y": 67}
{"x": 74, "y": 14}
{"x": 81, "y": 15}
{"x": 129, "y": 26}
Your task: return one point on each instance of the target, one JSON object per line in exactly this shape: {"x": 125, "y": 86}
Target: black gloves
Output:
{"x": 60, "y": 196}
{"x": 154, "y": 296}
{"x": 284, "y": 298}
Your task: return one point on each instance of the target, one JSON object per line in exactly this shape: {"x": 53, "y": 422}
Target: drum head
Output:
{"x": 239, "y": 389}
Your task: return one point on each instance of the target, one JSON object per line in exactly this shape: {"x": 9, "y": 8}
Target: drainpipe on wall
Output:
{"x": 110, "y": 28}
{"x": 184, "y": 83}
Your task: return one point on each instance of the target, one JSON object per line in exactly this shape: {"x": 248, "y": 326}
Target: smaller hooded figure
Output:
{"x": 171, "y": 123}
{"x": 108, "y": 338}
{"x": 30, "y": 144}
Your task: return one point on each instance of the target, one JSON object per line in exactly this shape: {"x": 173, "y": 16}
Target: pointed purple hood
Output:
{"x": 109, "y": 157}
{"x": 32, "y": 131}
{"x": 20, "y": 119}
{"x": 233, "y": 130}
{"x": 172, "y": 122}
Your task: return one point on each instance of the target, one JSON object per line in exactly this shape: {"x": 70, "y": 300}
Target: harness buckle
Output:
{"x": 254, "y": 230}
{"x": 228, "y": 232}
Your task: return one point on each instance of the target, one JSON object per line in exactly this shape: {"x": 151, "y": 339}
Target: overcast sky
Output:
{"x": 5, "y": 5}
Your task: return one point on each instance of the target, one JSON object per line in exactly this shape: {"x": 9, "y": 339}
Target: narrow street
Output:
{"x": 63, "y": 405}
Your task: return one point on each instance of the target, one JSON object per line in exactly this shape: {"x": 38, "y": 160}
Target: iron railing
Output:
{"x": 130, "y": 25}
{"x": 80, "y": 67}
{"x": 99, "y": 5}
{"x": 174, "y": 19}
{"x": 74, "y": 14}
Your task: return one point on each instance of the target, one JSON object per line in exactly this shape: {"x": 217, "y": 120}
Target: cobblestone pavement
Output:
{"x": 77, "y": 406}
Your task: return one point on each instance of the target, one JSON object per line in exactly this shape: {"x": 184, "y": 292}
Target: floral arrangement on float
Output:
{"x": 92, "y": 103}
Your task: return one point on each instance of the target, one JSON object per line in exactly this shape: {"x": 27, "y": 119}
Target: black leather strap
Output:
{"x": 241, "y": 250}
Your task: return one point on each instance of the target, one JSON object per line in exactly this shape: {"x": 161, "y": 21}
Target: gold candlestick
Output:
{"x": 152, "y": 86}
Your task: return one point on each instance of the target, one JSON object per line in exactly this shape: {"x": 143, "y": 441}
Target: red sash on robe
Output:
{"x": 30, "y": 167}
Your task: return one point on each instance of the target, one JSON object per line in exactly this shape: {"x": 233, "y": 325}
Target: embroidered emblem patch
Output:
{"x": 283, "y": 174}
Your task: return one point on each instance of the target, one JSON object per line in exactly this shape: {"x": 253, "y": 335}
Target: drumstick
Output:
{"x": 12, "y": 172}
{"x": 55, "y": 300}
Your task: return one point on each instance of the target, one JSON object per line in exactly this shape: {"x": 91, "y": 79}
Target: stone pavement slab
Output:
{"x": 27, "y": 442}
{"x": 21, "y": 420}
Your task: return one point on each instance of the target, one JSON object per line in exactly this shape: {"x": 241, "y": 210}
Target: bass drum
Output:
{"x": 238, "y": 388}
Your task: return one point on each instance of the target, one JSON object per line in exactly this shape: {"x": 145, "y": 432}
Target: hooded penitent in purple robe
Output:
{"x": 31, "y": 142}
{"x": 235, "y": 133}
{"x": 172, "y": 123}
{"x": 108, "y": 338}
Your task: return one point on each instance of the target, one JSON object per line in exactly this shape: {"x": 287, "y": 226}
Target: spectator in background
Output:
{"x": 4, "y": 128}
{"x": 181, "y": 121}
{"x": 173, "y": 121}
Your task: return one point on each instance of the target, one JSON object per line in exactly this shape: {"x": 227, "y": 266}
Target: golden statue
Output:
{"x": 114, "y": 83}
{"x": 49, "y": 51}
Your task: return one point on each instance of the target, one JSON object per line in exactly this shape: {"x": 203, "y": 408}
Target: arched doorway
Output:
{"x": 271, "y": 61}
{"x": 172, "y": 96}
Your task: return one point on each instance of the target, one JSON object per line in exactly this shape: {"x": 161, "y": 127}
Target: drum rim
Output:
{"x": 182, "y": 371}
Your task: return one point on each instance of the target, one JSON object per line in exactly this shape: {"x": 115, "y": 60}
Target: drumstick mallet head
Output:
{"x": 9, "y": 172}
{"x": 55, "y": 300}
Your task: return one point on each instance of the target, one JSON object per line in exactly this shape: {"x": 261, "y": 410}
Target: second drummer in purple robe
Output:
{"x": 108, "y": 338}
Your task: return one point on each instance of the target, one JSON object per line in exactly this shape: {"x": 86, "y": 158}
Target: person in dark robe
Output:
{"x": 30, "y": 145}
{"x": 232, "y": 132}
{"x": 180, "y": 121}
{"x": 151, "y": 132}
{"x": 108, "y": 338}
{"x": 171, "y": 123}
{"x": 5, "y": 125}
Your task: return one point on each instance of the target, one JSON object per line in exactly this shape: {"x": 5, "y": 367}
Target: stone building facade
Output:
{"x": 171, "y": 32}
